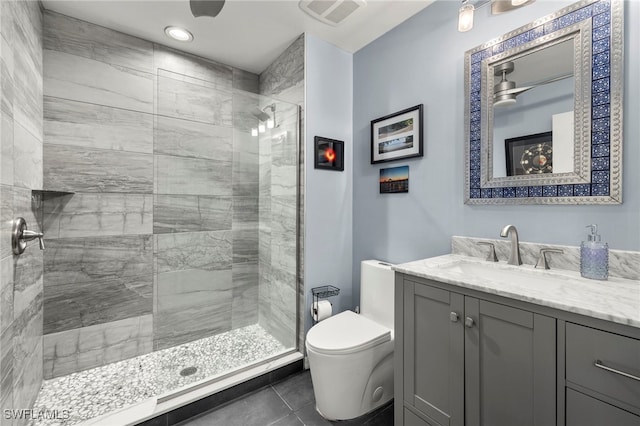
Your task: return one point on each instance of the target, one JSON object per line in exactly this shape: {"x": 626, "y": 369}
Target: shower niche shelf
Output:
{"x": 48, "y": 193}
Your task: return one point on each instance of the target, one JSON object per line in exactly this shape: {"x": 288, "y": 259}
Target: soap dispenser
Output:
{"x": 594, "y": 256}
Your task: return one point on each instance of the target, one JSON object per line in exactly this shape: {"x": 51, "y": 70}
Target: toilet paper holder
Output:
{"x": 324, "y": 292}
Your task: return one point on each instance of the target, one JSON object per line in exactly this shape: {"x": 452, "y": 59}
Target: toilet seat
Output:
{"x": 346, "y": 333}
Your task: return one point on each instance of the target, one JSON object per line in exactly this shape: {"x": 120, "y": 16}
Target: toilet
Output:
{"x": 351, "y": 355}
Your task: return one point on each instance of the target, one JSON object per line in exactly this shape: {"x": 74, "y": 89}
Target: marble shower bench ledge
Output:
{"x": 616, "y": 300}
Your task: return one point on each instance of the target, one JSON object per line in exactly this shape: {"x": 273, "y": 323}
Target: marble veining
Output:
{"x": 27, "y": 155}
{"x": 622, "y": 263}
{"x": 177, "y": 62}
{"x": 245, "y": 80}
{"x": 184, "y": 138}
{"x": 191, "y": 99}
{"x": 75, "y": 169}
{"x": 80, "y": 38}
{"x": 244, "y": 310}
{"x": 616, "y": 300}
{"x": 6, "y": 144}
{"x": 90, "y": 393}
{"x": 21, "y": 134}
{"x": 192, "y": 176}
{"x": 95, "y": 214}
{"x": 285, "y": 72}
{"x": 192, "y": 213}
{"x": 192, "y": 304}
{"x": 96, "y": 280}
{"x": 83, "y": 348}
{"x": 81, "y": 79}
{"x": 87, "y": 125}
{"x": 209, "y": 250}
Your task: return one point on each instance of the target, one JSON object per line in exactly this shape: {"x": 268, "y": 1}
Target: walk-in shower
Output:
{"x": 169, "y": 268}
{"x": 221, "y": 262}
{"x": 171, "y": 228}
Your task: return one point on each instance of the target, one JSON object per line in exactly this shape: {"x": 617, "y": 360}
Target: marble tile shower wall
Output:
{"x": 283, "y": 79}
{"x": 162, "y": 221}
{"x": 21, "y": 282}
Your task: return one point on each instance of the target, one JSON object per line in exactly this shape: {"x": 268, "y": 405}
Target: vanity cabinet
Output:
{"x": 469, "y": 361}
{"x": 465, "y": 357}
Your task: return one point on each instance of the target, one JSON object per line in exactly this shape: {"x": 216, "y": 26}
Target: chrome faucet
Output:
{"x": 514, "y": 258}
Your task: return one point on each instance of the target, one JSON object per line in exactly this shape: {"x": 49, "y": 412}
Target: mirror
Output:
{"x": 533, "y": 112}
{"x": 543, "y": 110}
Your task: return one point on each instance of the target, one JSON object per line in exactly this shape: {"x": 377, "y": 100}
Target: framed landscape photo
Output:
{"x": 394, "y": 179}
{"x": 531, "y": 154}
{"x": 397, "y": 136}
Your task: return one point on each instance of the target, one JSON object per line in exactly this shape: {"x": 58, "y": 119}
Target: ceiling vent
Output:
{"x": 332, "y": 12}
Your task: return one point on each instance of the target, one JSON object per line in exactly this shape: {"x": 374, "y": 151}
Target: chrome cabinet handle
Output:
{"x": 599, "y": 364}
{"x": 453, "y": 316}
{"x": 468, "y": 322}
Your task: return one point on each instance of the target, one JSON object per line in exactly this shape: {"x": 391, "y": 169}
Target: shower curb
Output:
{"x": 211, "y": 402}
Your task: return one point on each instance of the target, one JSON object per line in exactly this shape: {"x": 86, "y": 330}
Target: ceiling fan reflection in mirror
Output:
{"x": 206, "y": 7}
{"x": 505, "y": 92}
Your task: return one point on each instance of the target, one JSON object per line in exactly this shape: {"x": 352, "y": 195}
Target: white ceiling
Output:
{"x": 247, "y": 34}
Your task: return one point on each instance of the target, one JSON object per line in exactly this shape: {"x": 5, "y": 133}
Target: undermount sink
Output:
{"x": 501, "y": 273}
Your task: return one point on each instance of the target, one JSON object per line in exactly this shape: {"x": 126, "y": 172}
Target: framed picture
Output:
{"x": 394, "y": 179}
{"x": 329, "y": 154}
{"x": 531, "y": 154}
{"x": 397, "y": 136}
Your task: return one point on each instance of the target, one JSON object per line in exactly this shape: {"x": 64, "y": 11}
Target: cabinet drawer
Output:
{"x": 583, "y": 410}
{"x": 587, "y": 346}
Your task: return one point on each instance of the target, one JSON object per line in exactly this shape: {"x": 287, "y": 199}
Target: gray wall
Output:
{"x": 422, "y": 61}
{"x": 328, "y": 200}
{"x": 158, "y": 244}
{"x": 20, "y": 172}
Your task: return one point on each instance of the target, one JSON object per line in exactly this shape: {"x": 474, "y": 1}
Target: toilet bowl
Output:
{"x": 351, "y": 355}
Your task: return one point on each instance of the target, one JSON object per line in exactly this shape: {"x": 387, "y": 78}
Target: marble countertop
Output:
{"x": 616, "y": 300}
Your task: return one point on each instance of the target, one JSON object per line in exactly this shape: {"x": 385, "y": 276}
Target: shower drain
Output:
{"x": 188, "y": 371}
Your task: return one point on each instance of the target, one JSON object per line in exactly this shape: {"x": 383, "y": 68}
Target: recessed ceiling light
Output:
{"x": 178, "y": 33}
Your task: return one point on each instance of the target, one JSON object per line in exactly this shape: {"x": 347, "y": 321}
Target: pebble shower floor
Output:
{"x": 91, "y": 393}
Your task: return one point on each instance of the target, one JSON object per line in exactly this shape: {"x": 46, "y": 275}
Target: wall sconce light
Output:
{"x": 465, "y": 14}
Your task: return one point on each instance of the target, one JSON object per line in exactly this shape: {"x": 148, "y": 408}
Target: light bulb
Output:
{"x": 270, "y": 123}
{"x": 254, "y": 131}
{"x": 178, "y": 33}
{"x": 465, "y": 17}
{"x": 261, "y": 128}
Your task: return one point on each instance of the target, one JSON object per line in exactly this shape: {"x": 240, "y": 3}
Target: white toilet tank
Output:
{"x": 377, "y": 282}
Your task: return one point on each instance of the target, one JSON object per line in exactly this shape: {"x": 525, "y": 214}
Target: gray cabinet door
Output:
{"x": 434, "y": 353}
{"x": 510, "y": 366}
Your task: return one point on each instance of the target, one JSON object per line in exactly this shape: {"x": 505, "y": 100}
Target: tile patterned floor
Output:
{"x": 286, "y": 403}
{"x": 94, "y": 392}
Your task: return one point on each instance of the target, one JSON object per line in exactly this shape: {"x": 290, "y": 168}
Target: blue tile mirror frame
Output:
{"x": 596, "y": 27}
